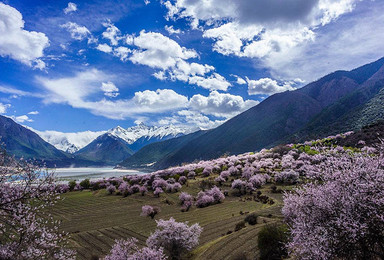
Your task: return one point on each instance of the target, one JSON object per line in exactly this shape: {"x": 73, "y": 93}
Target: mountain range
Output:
{"x": 339, "y": 102}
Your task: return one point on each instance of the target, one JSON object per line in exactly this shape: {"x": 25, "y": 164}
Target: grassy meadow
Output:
{"x": 94, "y": 219}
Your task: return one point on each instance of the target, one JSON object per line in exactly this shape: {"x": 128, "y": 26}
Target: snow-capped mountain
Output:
{"x": 73, "y": 142}
{"x": 134, "y": 133}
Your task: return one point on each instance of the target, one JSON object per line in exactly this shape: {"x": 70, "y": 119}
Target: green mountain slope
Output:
{"x": 306, "y": 113}
{"x": 155, "y": 152}
{"x": 22, "y": 142}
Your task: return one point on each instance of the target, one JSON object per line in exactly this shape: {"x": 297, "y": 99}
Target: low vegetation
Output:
{"x": 252, "y": 205}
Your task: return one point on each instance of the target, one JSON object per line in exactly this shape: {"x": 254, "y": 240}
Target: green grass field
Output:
{"x": 94, "y": 219}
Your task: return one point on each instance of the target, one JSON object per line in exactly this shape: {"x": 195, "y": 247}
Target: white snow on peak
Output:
{"x": 131, "y": 134}
{"x": 72, "y": 142}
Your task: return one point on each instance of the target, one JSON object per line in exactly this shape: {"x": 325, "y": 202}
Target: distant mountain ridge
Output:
{"x": 338, "y": 102}
{"x": 73, "y": 142}
{"x": 118, "y": 143}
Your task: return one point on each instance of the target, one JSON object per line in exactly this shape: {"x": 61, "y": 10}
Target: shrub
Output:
{"x": 176, "y": 238}
{"x": 239, "y": 185}
{"x": 271, "y": 242}
{"x": 143, "y": 190}
{"x": 182, "y": 180}
{"x": 72, "y": 185}
{"x": 111, "y": 189}
{"x": 251, "y": 219}
{"x": 149, "y": 211}
{"x": 157, "y": 191}
{"x": 85, "y": 184}
{"x": 239, "y": 226}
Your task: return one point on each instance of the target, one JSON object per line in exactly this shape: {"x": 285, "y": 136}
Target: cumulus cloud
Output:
{"x": 267, "y": 13}
{"x": 191, "y": 119}
{"x": 267, "y": 86}
{"x": 17, "y": 43}
{"x": 3, "y": 108}
{"x": 78, "y": 90}
{"x": 240, "y": 80}
{"x": 21, "y": 119}
{"x": 213, "y": 82}
{"x": 172, "y": 30}
{"x": 109, "y": 89}
{"x": 344, "y": 45}
{"x": 122, "y": 53}
{"x": 112, "y": 33}
{"x": 72, "y": 7}
{"x": 60, "y": 139}
{"x": 77, "y": 32}
{"x": 266, "y": 30}
{"x": 104, "y": 48}
{"x": 220, "y": 105}
{"x": 160, "y": 52}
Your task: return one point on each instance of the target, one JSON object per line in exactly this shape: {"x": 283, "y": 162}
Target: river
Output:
{"x": 91, "y": 173}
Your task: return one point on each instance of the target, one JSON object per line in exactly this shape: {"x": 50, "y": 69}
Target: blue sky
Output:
{"x": 93, "y": 65}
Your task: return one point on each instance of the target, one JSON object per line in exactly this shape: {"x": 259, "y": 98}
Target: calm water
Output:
{"x": 91, "y": 173}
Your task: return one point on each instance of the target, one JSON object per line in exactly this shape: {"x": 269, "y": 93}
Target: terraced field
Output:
{"x": 95, "y": 219}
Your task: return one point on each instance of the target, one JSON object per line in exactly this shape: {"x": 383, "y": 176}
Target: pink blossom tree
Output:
{"x": 176, "y": 238}
{"x": 340, "y": 216}
{"x": 150, "y": 211}
{"x": 128, "y": 250}
{"x": 27, "y": 231}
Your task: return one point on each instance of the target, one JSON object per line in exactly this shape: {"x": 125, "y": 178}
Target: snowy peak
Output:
{"x": 73, "y": 142}
{"x": 122, "y": 133}
{"x": 132, "y": 134}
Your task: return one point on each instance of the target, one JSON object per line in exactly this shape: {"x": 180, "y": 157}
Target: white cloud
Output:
{"x": 213, "y": 82}
{"x": 122, "y": 52}
{"x": 21, "y": 119}
{"x": 266, "y": 30}
{"x": 267, "y": 13}
{"x": 109, "y": 89}
{"x": 64, "y": 140}
{"x": 4, "y": 107}
{"x": 17, "y": 43}
{"x": 17, "y": 92}
{"x": 220, "y": 105}
{"x": 240, "y": 80}
{"x": 191, "y": 119}
{"x": 267, "y": 86}
{"x": 147, "y": 2}
{"x": 104, "y": 48}
{"x": 33, "y": 113}
{"x": 351, "y": 42}
{"x": 77, "y": 90}
{"x": 159, "y": 51}
{"x": 72, "y": 7}
{"x": 112, "y": 33}
{"x": 77, "y": 32}
{"x": 171, "y": 30}
{"x": 231, "y": 37}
